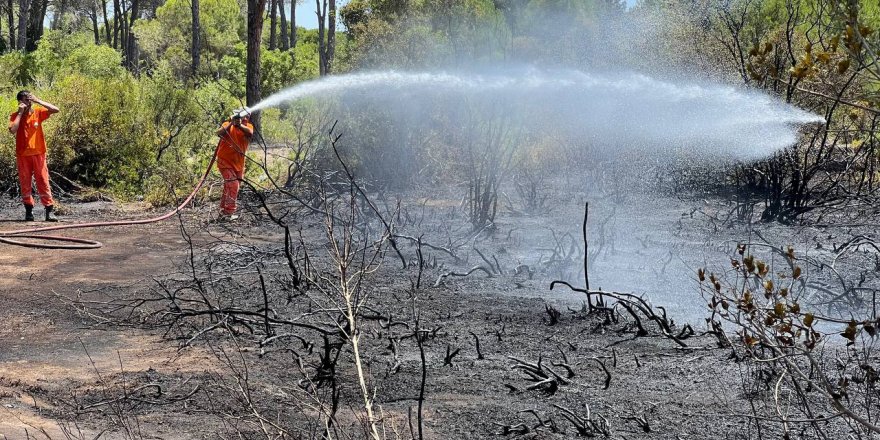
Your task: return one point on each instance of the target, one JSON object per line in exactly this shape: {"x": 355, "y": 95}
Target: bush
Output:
{"x": 93, "y": 62}
{"x": 774, "y": 320}
{"x": 279, "y": 70}
{"x": 48, "y": 60}
{"x": 8, "y": 173}
{"x": 19, "y": 69}
{"x": 232, "y": 70}
{"x": 100, "y": 138}
{"x": 8, "y": 169}
{"x": 122, "y": 134}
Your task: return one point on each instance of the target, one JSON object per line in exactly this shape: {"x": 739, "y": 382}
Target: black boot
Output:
{"x": 28, "y": 213}
{"x": 50, "y": 216}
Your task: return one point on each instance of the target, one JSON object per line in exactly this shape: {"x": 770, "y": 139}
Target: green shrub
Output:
{"x": 8, "y": 170}
{"x": 93, "y": 62}
{"x": 232, "y": 69}
{"x": 8, "y": 173}
{"x": 141, "y": 136}
{"x": 279, "y": 70}
{"x": 18, "y": 68}
{"x": 52, "y": 51}
{"x": 215, "y": 102}
{"x": 100, "y": 138}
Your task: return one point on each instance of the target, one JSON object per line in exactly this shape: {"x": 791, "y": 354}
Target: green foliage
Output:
{"x": 280, "y": 69}
{"x": 354, "y": 15}
{"x": 100, "y": 137}
{"x": 148, "y": 134}
{"x": 232, "y": 69}
{"x": 547, "y": 11}
{"x": 174, "y": 114}
{"x": 59, "y": 55}
{"x": 19, "y": 69}
{"x": 8, "y": 173}
{"x": 275, "y": 126}
{"x": 130, "y": 136}
{"x": 181, "y": 124}
{"x": 423, "y": 34}
{"x": 306, "y": 60}
{"x": 93, "y": 62}
{"x": 8, "y": 166}
{"x": 52, "y": 50}
{"x": 168, "y": 36}
{"x": 214, "y": 101}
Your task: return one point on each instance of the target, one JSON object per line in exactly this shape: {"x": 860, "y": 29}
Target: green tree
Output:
{"x": 168, "y": 36}
{"x": 421, "y": 33}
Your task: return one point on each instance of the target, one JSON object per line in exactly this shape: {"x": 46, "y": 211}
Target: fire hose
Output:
{"x": 62, "y": 242}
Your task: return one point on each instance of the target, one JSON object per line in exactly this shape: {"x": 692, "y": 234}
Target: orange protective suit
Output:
{"x": 230, "y": 162}
{"x": 30, "y": 154}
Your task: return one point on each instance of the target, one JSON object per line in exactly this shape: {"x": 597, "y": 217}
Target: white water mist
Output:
{"x": 624, "y": 112}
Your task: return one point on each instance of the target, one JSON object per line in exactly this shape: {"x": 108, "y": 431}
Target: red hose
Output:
{"x": 82, "y": 243}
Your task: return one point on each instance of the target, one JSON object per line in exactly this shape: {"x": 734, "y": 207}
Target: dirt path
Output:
{"x": 47, "y": 349}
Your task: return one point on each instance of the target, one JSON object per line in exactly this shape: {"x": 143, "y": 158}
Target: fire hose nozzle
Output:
{"x": 244, "y": 112}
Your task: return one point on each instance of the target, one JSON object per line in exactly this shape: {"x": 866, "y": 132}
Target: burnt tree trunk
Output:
{"x": 255, "y": 37}
{"x": 326, "y": 13}
{"x": 107, "y": 34}
{"x": 285, "y": 37}
{"x": 321, "y": 12}
{"x": 59, "y": 14}
{"x": 117, "y": 13}
{"x": 273, "y": 24}
{"x": 24, "y": 7}
{"x": 131, "y": 52}
{"x": 94, "y": 16}
{"x": 35, "y": 23}
{"x": 196, "y": 38}
{"x": 10, "y": 15}
{"x": 293, "y": 24}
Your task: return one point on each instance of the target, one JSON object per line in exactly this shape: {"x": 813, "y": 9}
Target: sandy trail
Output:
{"x": 46, "y": 347}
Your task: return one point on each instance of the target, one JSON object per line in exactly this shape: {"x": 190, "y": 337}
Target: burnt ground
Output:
{"x": 80, "y": 357}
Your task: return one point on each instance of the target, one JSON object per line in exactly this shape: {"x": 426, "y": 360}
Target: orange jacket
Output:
{"x": 233, "y": 145}
{"x": 29, "y": 139}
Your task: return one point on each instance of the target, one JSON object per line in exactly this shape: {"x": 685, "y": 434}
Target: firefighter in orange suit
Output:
{"x": 30, "y": 151}
{"x": 235, "y": 137}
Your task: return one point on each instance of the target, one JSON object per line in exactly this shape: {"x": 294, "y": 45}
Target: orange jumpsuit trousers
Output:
{"x": 34, "y": 167}
{"x": 231, "y": 184}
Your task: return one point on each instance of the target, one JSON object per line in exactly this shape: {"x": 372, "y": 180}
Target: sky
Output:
{"x": 306, "y": 17}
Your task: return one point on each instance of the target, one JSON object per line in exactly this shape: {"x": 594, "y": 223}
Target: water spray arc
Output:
{"x": 621, "y": 111}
